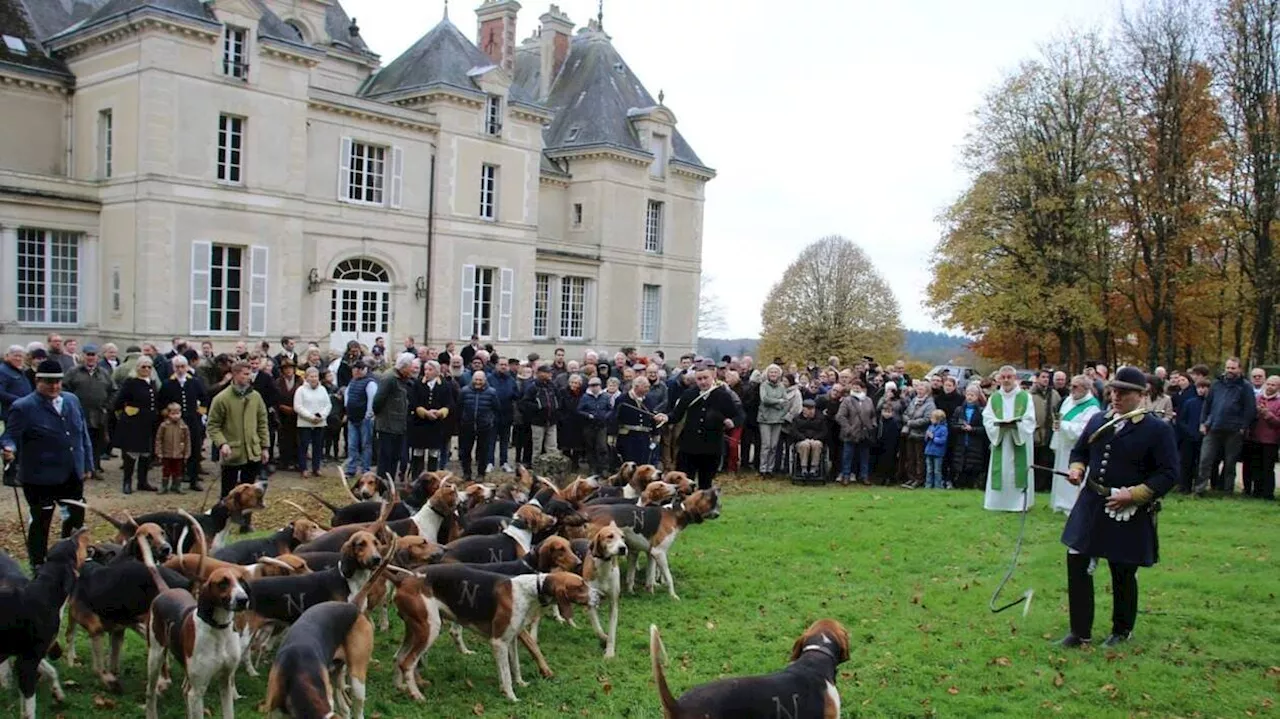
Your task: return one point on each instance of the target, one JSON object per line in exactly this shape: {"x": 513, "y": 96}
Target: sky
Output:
{"x": 820, "y": 117}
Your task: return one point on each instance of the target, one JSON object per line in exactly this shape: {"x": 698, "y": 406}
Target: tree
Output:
{"x": 830, "y": 301}
{"x": 710, "y": 310}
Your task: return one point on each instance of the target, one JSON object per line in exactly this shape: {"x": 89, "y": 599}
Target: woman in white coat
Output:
{"x": 1073, "y": 414}
{"x": 311, "y": 405}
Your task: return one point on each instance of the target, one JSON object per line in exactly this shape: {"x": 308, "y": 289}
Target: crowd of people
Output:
{"x": 267, "y": 409}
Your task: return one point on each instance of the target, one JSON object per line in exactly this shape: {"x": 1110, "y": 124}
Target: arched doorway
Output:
{"x": 360, "y": 303}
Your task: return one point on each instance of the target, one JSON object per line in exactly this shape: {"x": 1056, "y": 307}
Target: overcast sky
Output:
{"x": 820, "y": 116}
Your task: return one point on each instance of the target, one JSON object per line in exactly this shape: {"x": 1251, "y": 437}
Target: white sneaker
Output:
{"x": 488, "y": 468}
{"x": 508, "y": 468}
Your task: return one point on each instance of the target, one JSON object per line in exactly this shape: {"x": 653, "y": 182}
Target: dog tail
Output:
{"x": 150, "y": 562}
{"x": 126, "y": 528}
{"x": 202, "y": 544}
{"x": 360, "y": 598}
{"x": 327, "y": 504}
{"x": 305, "y": 513}
{"x": 346, "y": 488}
{"x": 656, "y": 652}
{"x": 276, "y": 563}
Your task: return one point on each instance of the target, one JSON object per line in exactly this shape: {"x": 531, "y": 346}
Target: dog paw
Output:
{"x": 467, "y": 652}
{"x": 547, "y": 673}
{"x": 522, "y": 683}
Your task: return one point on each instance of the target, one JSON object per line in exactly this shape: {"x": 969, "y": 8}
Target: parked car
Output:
{"x": 961, "y": 374}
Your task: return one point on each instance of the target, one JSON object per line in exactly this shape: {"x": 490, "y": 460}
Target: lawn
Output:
{"x": 910, "y": 575}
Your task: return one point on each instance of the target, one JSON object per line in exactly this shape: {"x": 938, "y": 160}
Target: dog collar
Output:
{"x": 541, "y": 584}
{"x": 206, "y": 615}
{"x": 821, "y": 650}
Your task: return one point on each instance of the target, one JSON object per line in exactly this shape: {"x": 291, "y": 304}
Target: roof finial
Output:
{"x": 446, "y": 9}
{"x": 661, "y": 96}
{"x": 600, "y": 15}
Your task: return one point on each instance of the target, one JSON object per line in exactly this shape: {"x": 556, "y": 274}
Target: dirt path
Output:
{"x": 106, "y": 495}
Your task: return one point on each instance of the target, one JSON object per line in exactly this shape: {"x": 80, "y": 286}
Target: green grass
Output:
{"x": 909, "y": 574}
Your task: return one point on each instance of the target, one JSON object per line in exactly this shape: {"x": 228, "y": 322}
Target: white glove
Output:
{"x": 1121, "y": 515}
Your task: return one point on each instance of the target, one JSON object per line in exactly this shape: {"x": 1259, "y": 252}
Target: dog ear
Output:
{"x": 797, "y": 648}
{"x": 597, "y": 545}
{"x": 842, "y": 638}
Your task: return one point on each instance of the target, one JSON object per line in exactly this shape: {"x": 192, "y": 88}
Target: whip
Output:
{"x": 1025, "y": 599}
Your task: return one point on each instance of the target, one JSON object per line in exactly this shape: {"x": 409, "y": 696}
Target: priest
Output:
{"x": 1073, "y": 414}
{"x": 1010, "y": 422}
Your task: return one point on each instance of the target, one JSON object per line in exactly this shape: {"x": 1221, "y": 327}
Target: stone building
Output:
{"x": 245, "y": 169}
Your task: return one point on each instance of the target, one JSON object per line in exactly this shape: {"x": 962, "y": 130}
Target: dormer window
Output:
{"x": 658, "y": 146}
{"x": 235, "y": 60}
{"x": 15, "y": 45}
{"x": 493, "y": 115}
{"x": 573, "y": 134}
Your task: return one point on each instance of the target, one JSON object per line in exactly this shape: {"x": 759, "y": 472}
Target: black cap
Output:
{"x": 1130, "y": 378}
{"x": 191, "y": 355}
{"x": 39, "y": 353}
{"x": 49, "y": 369}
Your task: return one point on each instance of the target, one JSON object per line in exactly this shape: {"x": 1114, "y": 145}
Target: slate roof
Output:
{"x": 591, "y": 98}
{"x": 442, "y": 57}
{"x": 15, "y": 22}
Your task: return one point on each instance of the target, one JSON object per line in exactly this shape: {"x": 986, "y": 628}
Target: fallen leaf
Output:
{"x": 469, "y": 684}
{"x": 1002, "y": 662}
{"x": 711, "y": 626}
{"x": 953, "y": 691}
{"x": 102, "y": 702}
{"x": 915, "y": 598}
{"x": 1059, "y": 680}
{"x": 478, "y": 709}
{"x": 607, "y": 688}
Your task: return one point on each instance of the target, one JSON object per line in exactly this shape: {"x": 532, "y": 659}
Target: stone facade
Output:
{"x": 246, "y": 169}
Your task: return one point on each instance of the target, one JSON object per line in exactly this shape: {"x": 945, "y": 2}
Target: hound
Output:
{"x": 198, "y": 634}
{"x": 600, "y": 570}
{"x": 30, "y": 614}
{"x": 302, "y": 681}
{"x": 653, "y": 530}
{"x": 805, "y": 688}
{"x": 282, "y": 541}
{"x": 513, "y": 543}
{"x": 496, "y": 606}
{"x": 416, "y": 494}
{"x": 245, "y": 498}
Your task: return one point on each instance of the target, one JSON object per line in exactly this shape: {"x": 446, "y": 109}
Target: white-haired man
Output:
{"x": 1010, "y": 422}
{"x": 391, "y": 413}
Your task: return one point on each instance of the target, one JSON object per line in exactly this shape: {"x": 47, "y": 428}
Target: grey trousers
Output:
{"x": 544, "y": 440}
{"x": 770, "y": 434}
{"x": 1217, "y": 445}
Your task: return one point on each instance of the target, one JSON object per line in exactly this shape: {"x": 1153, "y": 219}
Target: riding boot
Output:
{"x": 1124, "y": 594}
{"x": 1080, "y": 596}
{"x": 127, "y": 465}
{"x": 144, "y": 466}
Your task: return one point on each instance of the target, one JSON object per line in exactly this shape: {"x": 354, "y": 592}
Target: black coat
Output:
{"x": 194, "y": 400}
{"x": 968, "y": 449}
{"x": 541, "y": 405}
{"x": 426, "y": 433}
{"x": 1143, "y": 452}
{"x": 136, "y": 405}
{"x": 703, "y": 431}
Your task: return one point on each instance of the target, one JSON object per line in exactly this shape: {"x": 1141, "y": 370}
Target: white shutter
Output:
{"x": 258, "y": 291}
{"x": 505, "y": 300}
{"x": 467, "y": 317}
{"x": 397, "y": 175}
{"x": 344, "y": 170}
{"x": 200, "y": 257}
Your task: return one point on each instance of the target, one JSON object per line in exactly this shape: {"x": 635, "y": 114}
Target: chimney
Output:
{"x": 496, "y": 31}
{"x": 557, "y": 29}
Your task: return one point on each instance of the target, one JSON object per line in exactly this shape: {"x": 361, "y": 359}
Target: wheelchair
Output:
{"x": 819, "y": 473}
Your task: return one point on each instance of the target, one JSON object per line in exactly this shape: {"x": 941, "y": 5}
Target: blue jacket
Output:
{"x": 1189, "y": 416}
{"x": 1231, "y": 405}
{"x": 479, "y": 409}
{"x": 14, "y": 385}
{"x": 596, "y": 409}
{"x": 937, "y": 447}
{"x": 51, "y": 448}
{"x": 505, "y": 386}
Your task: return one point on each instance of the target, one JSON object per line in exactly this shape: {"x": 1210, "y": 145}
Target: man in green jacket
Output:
{"x": 91, "y": 383}
{"x": 238, "y": 429}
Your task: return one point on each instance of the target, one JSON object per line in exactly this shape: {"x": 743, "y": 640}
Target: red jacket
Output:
{"x": 1266, "y": 428}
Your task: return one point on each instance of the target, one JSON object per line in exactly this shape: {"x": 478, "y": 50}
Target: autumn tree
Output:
{"x": 831, "y": 300}
{"x": 711, "y": 320}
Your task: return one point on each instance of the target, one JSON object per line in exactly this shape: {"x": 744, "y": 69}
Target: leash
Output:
{"x": 1025, "y": 599}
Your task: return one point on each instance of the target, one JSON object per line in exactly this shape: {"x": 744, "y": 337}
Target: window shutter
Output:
{"x": 200, "y": 258}
{"x": 258, "y": 290}
{"x": 467, "y": 317}
{"x": 505, "y": 300}
{"x": 344, "y": 169}
{"x": 397, "y": 174}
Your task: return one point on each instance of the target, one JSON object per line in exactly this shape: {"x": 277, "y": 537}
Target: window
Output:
{"x": 104, "y": 143}
{"x": 48, "y": 277}
{"x": 489, "y": 192}
{"x": 658, "y": 146}
{"x": 230, "y": 148}
{"x": 573, "y": 307}
{"x": 653, "y": 227}
{"x": 15, "y": 45}
{"x": 296, "y": 31}
{"x": 226, "y": 283}
{"x": 234, "y": 58}
{"x": 115, "y": 288}
{"x": 367, "y": 173}
{"x": 541, "y": 304}
{"x": 493, "y": 115}
{"x": 577, "y": 214}
{"x": 483, "y": 303}
{"x": 650, "y": 312}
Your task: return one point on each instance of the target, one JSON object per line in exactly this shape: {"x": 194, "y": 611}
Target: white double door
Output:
{"x": 359, "y": 311}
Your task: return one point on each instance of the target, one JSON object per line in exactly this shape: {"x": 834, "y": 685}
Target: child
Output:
{"x": 969, "y": 453}
{"x": 1188, "y": 426}
{"x": 173, "y": 447}
{"x": 935, "y": 448}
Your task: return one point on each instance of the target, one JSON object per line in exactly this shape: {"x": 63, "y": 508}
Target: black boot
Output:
{"x": 1079, "y": 600}
{"x": 127, "y": 465}
{"x": 144, "y": 465}
{"x": 1124, "y": 595}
